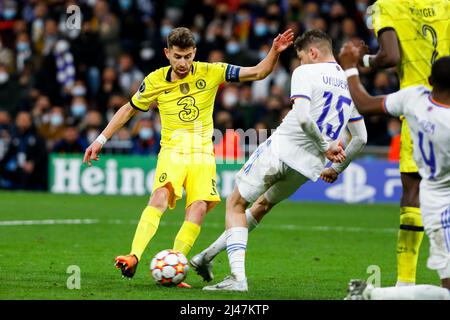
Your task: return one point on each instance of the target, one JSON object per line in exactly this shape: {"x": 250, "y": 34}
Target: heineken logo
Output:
{"x": 116, "y": 175}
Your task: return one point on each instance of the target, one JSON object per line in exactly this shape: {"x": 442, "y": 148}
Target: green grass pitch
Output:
{"x": 300, "y": 251}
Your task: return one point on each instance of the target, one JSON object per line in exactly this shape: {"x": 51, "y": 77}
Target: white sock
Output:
{"x": 236, "y": 247}
{"x": 419, "y": 292}
{"x": 221, "y": 243}
{"x": 404, "y": 284}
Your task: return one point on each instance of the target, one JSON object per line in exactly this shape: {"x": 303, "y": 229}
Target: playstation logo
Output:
{"x": 353, "y": 188}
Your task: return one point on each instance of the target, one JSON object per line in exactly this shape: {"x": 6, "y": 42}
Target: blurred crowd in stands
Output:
{"x": 60, "y": 86}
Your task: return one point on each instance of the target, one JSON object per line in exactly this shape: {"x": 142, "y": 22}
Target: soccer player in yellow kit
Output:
{"x": 412, "y": 34}
{"x": 185, "y": 93}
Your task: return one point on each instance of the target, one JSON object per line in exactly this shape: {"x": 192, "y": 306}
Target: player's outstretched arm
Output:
{"x": 365, "y": 103}
{"x": 265, "y": 67}
{"x": 118, "y": 120}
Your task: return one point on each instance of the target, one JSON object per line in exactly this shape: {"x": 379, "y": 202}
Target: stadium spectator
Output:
{"x": 228, "y": 145}
{"x": 89, "y": 56}
{"x": 109, "y": 86}
{"x": 53, "y": 129}
{"x": 9, "y": 90}
{"x": 24, "y": 164}
{"x": 71, "y": 141}
{"x": 5, "y": 127}
{"x": 128, "y": 73}
{"x": 394, "y": 129}
{"x": 108, "y": 27}
{"x": 91, "y": 126}
{"x": 121, "y": 143}
{"x": 145, "y": 138}
{"x": 78, "y": 108}
{"x": 230, "y": 102}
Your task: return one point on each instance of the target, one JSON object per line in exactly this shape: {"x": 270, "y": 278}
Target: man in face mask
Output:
{"x": 146, "y": 140}
{"x": 9, "y": 10}
{"x": 259, "y": 34}
{"x": 53, "y": 130}
{"x": 78, "y": 107}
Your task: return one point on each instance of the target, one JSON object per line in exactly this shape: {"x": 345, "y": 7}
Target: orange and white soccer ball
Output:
{"x": 169, "y": 267}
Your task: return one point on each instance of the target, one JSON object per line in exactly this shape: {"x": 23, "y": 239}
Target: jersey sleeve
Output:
{"x": 355, "y": 115}
{"x": 383, "y": 16}
{"x": 145, "y": 95}
{"x": 397, "y": 103}
{"x": 222, "y": 72}
{"x": 300, "y": 84}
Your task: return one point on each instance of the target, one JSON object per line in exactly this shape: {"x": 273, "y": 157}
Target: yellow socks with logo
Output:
{"x": 408, "y": 244}
{"x": 186, "y": 237}
{"x": 146, "y": 229}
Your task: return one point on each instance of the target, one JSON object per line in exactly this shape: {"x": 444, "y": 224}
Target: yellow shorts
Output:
{"x": 407, "y": 163}
{"x": 195, "y": 172}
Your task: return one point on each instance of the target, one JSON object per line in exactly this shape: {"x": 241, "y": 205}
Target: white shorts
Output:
{"x": 435, "y": 208}
{"x": 264, "y": 173}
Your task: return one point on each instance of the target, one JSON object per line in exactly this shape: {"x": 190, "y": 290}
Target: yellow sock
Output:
{"x": 146, "y": 229}
{"x": 408, "y": 243}
{"x": 186, "y": 237}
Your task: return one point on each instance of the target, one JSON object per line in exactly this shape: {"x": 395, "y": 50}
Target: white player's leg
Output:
{"x": 203, "y": 262}
{"x": 237, "y": 235}
{"x": 359, "y": 290}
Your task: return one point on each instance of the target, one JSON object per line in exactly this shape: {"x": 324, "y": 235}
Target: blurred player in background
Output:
{"x": 412, "y": 34}
{"x": 185, "y": 93}
{"x": 428, "y": 113}
{"x": 296, "y": 152}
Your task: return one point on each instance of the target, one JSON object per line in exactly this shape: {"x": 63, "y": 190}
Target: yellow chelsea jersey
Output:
{"x": 423, "y": 30}
{"x": 185, "y": 105}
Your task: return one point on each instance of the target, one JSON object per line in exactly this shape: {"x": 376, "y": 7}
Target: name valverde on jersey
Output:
{"x": 185, "y": 105}
{"x": 325, "y": 86}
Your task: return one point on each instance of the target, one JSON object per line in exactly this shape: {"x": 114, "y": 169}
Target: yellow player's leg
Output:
{"x": 146, "y": 229}
{"x": 186, "y": 237}
{"x": 411, "y": 228}
{"x": 409, "y": 239}
{"x": 167, "y": 188}
{"x": 201, "y": 196}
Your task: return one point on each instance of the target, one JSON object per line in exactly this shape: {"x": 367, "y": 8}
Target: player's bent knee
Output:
{"x": 160, "y": 198}
{"x": 235, "y": 202}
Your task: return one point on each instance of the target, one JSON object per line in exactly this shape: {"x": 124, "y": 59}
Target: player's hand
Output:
{"x": 329, "y": 175}
{"x": 363, "y": 49}
{"x": 92, "y": 152}
{"x": 349, "y": 56}
{"x": 283, "y": 41}
{"x": 335, "y": 152}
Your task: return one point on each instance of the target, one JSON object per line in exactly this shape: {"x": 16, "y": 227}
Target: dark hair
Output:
{"x": 316, "y": 37}
{"x": 440, "y": 73}
{"x": 181, "y": 37}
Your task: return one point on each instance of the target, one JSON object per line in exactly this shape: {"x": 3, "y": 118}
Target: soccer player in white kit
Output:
{"x": 428, "y": 114}
{"x": 296, "y": 152}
